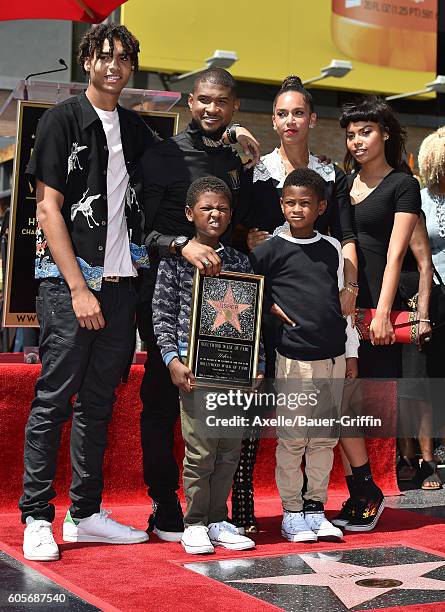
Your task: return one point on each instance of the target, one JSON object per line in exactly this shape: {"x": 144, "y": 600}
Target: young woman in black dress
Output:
{"x": 293, "y": 117}
{"x": 386, "y": 204}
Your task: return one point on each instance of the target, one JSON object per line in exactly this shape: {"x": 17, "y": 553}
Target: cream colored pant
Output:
{"x": 328, "y": 375}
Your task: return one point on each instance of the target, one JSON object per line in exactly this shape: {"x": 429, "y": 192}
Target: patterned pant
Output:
{"x": 242, "y": 490}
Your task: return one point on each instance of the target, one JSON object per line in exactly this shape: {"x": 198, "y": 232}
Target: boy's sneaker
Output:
{"x": 225, "y": 534}
{"x": 295, "y": 529}
{"x": 323, "y": 529}
{"x": 38, "y": 541}
{"x": 167, "y": 521}
{"x": 366, "y": 513}
{"x": 346, "y": 513}
{"x": 196, "y": 541}
{"x": 100, "y": 528}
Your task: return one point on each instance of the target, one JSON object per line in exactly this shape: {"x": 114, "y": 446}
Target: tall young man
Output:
{"x": 169, "y": 169}
{"x": 85, "y": 169}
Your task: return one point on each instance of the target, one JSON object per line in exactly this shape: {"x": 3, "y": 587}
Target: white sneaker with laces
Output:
{"x": 323, "y": 529}
{"x": 227, "y": 535}
{"x": 38, "y": 541}
{"x": 100, "y": 528}
{"x": 295, "y": 529}
{"x": 195, "y": 540}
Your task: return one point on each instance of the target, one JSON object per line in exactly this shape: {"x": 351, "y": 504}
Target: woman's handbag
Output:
{"x": 405, "y": 324}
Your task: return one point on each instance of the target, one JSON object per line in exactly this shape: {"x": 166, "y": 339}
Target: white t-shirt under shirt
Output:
{"x": 117, "y": 249}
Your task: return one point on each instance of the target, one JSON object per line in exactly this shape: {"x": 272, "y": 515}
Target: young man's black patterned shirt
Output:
{"x": 71, "y": 156}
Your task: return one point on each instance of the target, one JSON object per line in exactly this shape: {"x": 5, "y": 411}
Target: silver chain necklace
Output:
{"x": 439, "y": 201}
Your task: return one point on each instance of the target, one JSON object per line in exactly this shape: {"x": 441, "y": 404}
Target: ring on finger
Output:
{"x": 206, "y": 262}
{"x": 427, "y": 339}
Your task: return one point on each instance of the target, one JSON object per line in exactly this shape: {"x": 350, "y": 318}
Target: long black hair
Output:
{"x": 294, "y": 83}
{"x": 375, "y": 109}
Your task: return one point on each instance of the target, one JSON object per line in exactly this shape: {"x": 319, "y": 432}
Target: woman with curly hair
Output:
{"x": 432, "y": 173}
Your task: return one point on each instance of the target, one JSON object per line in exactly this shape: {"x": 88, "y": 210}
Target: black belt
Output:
{"x": 118, "y": 279}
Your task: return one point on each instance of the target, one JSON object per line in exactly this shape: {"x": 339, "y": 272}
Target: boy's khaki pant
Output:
{"x": 292, "y": 444}
{"x": 209, "y": 467}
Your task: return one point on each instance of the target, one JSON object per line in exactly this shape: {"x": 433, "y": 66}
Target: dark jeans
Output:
{"x": 75, "y": 361}
{"x": 160, "y": 399}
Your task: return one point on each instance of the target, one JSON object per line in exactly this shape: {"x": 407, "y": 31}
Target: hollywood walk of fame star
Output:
{"x": 228, "y": 310}
{"x": 354, "y": 584}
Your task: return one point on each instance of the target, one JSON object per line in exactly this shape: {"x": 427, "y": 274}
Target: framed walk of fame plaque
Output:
{"x": 225, "y": 329}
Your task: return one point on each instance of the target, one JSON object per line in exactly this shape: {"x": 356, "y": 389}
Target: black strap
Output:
{"x": 437, "y": 275}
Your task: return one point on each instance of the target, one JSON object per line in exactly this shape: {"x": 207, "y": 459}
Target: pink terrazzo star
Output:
{"x": 228, "y": 310}
{"x": 342, "y": 578}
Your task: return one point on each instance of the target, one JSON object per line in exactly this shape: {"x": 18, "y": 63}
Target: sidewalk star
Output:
{"x": 357, "y": 584}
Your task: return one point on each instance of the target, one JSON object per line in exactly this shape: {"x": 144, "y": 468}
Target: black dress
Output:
{"x": 373, "y": 220}
{"x": 266, "y": 213}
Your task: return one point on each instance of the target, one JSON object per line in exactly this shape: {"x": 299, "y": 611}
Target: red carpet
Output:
{"x": 124, "y": 485}
{"x": 150, "y": 576}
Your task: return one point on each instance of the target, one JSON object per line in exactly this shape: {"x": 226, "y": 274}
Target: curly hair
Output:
{"x": 93, "y": 41}
{"x": 432, "y": 158}
{"x": 305, "y": 177}
{"x": 375, "y": 109}
{"x": 294, "y": 83}
{"x": 204, "y": 185}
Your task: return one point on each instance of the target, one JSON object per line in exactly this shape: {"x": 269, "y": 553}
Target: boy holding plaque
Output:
{"x": 210, "y": 462}
{"x": 303, "y": 272}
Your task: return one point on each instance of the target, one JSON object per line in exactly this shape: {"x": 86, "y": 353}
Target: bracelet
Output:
{"x": 231, "y": 133}
{"x": 355, "y": 285}
{"x": 354, "y": 293}
{"x": 424, "y": 320}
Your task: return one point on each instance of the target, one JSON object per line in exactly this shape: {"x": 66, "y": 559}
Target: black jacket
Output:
{"x": 169, "y": 169}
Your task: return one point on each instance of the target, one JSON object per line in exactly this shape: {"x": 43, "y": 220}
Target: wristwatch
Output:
{"x": 179, "y": 243}
{"x": 231, "y": 133}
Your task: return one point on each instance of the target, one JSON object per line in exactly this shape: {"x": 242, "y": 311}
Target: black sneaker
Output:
{"x": 345, "y": 514}
{"x": 366, "y": 513}
{"x": 167, "y": 521}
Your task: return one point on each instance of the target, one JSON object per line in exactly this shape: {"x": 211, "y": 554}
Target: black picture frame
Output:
{"x": 225, "y": 333}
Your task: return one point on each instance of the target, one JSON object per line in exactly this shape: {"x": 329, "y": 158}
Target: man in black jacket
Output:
{"x": 169, "y": 169}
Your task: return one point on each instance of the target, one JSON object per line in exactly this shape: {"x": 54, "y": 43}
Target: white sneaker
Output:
{"x": 227, "y": 535}
{"x": 323, "y": 529}
{"x": 295, "y": 529}
{"x": 100, "y": 528}
{"x": 38, "y": 541}
{"x": 195, "y": 540}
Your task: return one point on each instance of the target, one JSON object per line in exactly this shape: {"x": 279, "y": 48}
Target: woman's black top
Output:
{"x": 268, "y": 178}
{"x": 373, "y": 220}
